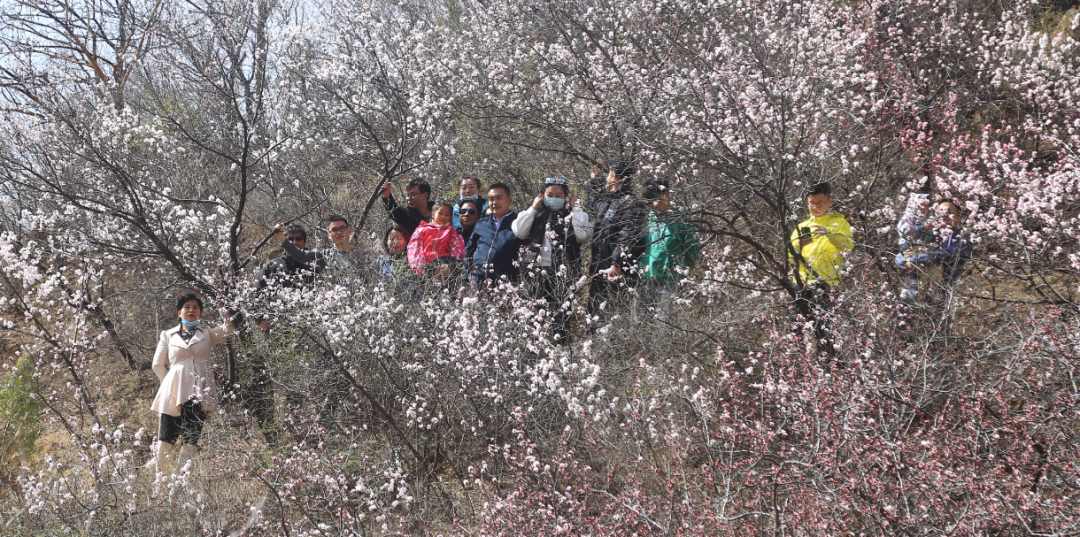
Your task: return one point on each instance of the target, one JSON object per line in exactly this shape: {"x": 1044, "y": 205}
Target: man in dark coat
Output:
{"x": 618, "y": 218}
{"x": 418, "y": 208}
{"x": 286, "y": 272}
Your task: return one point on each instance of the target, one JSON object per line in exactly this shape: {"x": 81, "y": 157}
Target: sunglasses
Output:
{"x": 467, "y": 212}
{"x": 554, "y": 181}
{"x": 297, "y": 238}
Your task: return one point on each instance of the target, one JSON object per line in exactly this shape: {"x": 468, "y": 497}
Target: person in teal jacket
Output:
{"x": 671, "y": 248}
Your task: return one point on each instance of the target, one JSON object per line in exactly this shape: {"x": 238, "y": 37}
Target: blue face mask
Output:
{"x": 474, "y": 197}
{"x": 190, "y": 325}
{"x": 555, "y": 204}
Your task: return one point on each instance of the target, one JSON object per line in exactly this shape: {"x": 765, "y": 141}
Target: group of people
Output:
{"x": 474, "y": 244}
{"x": 477, "y": 244}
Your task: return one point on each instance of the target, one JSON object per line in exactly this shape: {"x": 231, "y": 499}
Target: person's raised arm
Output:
{"x": 230, "y": 317}
{"x": 303, "y": 256}
{"x": 388, "y": 197}
{"x": 522, "y": 225}
{"x": 227, "y": 328}
{"x": 398, "y": 214}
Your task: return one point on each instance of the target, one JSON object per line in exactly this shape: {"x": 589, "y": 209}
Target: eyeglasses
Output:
{"x": 467, "y": 212}
{"x": 554, "y": 181}
{"x": 411, "y": 195}
{"x": 338, "y": 229}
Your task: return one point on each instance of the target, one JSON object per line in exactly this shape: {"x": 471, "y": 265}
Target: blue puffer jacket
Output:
{"x": 494, "y": 254}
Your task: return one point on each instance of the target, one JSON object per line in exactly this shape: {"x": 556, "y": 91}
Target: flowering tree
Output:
{"x": 155, "y": 162}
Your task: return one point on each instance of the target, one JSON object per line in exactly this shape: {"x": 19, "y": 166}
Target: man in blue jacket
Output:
{"x": 493, "y": 246}
{"x": 929, "y": 242}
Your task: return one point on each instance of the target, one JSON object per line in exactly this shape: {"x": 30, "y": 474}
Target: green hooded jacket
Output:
{"x": 670, "y": 241}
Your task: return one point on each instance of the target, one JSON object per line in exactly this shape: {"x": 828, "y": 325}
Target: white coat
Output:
{"x": 184, "y": 369}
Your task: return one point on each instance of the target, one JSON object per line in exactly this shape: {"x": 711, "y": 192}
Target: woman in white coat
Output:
{"x": 188, "y": 390}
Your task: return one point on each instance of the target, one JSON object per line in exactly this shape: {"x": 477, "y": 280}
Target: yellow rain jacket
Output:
{"x": 824, "y": 256}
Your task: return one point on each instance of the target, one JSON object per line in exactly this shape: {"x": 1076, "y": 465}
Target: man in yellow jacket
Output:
{"x": 817, "y": 251}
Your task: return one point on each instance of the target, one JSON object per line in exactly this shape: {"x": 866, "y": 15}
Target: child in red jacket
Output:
{"x": 436, "y": 243}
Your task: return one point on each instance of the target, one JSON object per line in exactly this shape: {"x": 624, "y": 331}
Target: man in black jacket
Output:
{"x": 618, "y": 218}
{"x": 280, "y": 273}
{"x": 418, "y": 207}
{"x": 286, "y": 272}
{"x": 553, "y": 233}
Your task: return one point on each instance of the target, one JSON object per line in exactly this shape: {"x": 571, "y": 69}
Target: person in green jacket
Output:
{"x": 818, "y": 247}
{"x": 671, "y": 248}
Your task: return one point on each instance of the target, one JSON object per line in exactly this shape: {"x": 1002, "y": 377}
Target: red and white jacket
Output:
{"x": 430, "y": 242}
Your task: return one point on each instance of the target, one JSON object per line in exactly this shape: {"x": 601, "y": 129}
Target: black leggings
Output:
{"x": 814, "y": 303}
{"x": 188, "y": 424}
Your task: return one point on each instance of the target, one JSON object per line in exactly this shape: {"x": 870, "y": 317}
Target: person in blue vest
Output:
{"x": 493, "y": 246}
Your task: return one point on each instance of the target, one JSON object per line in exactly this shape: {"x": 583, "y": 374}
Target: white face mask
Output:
{"x": 474, "y": 197}
{"x": 555, "y": 204}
